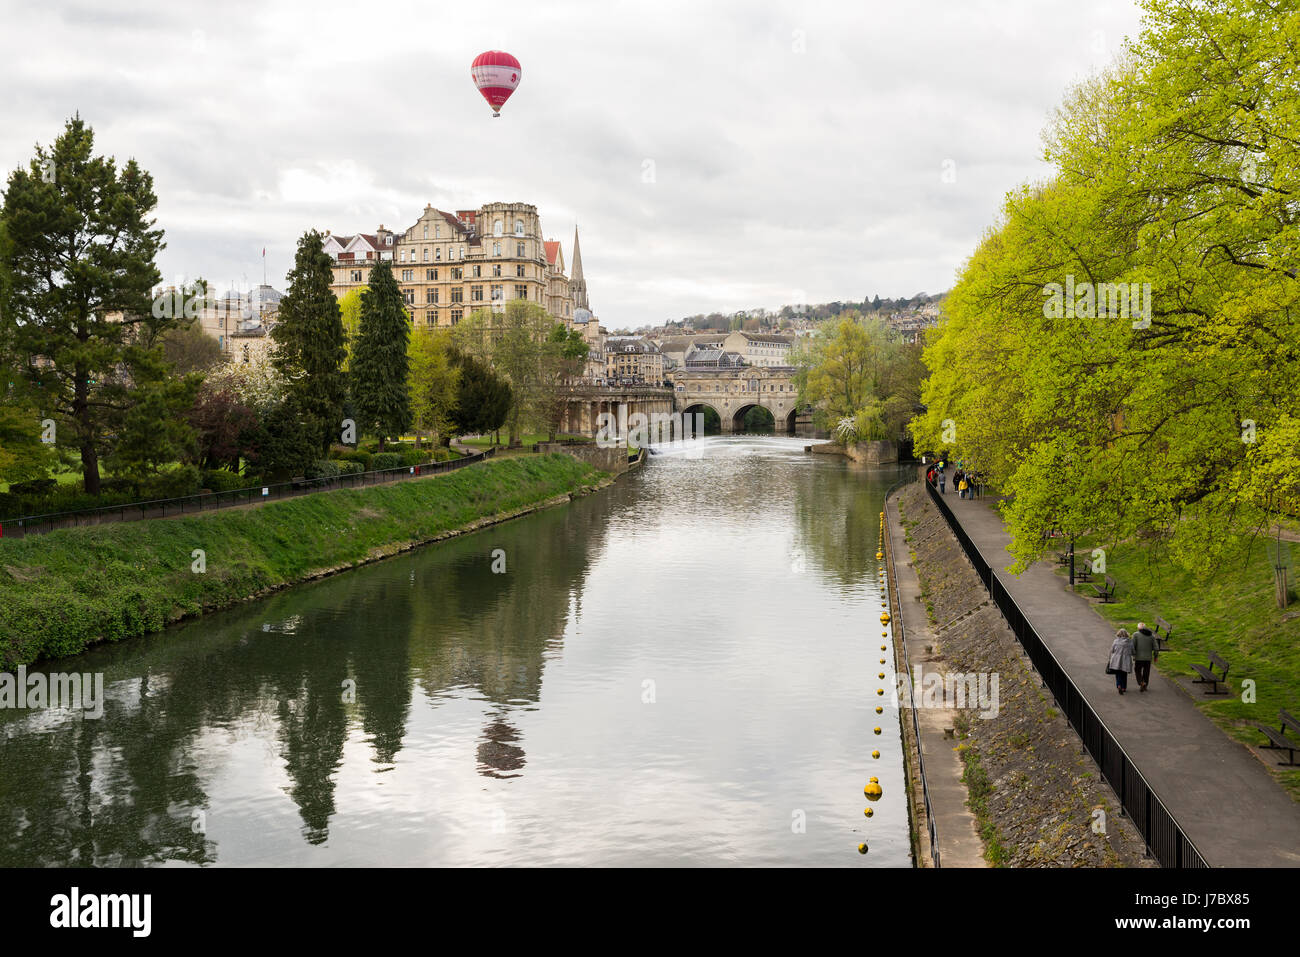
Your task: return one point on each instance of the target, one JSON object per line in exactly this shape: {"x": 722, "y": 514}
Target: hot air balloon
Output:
{"x": 496, "y": 74}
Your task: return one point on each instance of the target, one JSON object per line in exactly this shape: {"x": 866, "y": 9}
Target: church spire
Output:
{"x": 578, "y": 284}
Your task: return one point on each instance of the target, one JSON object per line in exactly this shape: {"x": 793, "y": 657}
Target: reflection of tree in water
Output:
{"x": 498, "y": 754}
{"x": 838, "y": 521}
{"x": 124, "y": 789}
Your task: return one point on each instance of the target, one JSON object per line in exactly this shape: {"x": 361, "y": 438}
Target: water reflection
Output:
{"x": 346, "y": 721}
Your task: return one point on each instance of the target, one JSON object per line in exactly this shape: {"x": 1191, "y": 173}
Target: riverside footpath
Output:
{"x": 1224, "y": 799}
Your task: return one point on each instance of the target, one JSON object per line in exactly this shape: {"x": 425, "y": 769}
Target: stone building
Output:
{"x": 451, "y": 264}
{"x": 633, "y": 361}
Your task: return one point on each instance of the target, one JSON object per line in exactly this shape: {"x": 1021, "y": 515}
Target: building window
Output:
{"x": 437, "y": 231}
{"x": 388, "y": 240}
{"x": 521, "y": 292}
{"x": 519, "y": 271}
{"x": 408, "y": 275}
{"x": 356, "y": 275}
{"x": 496, "y": 249}
{"x": 478, "y": 271}
{"x": 496, "y": 269}
{"x": 455, "y": 316}
{"x": 498, "y": 292}
{"x": 431, "y": 275}
{"x": 496, "y": 228}
{"x": 456, "y": 272}
{"x": 519, "y": 228}
{"x": 426, "y": 253}
{"x": 409, "y": 296}
{"x": 426, "y": 230}
{"x": 403, "y": 256}
{"x": 476, "y": 293}
{"x": 437, "y": 254}
{"x": 457, "y": 294}
{"x": 431, "y": 295}
{"x": 431, "y": 317}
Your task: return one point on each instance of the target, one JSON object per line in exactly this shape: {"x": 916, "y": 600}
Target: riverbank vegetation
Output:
{"x": 861, "y": 378}
{"x": 64, "y": 591}
{"x": 1121, "y": 354}
{"x": 104, "y": 372}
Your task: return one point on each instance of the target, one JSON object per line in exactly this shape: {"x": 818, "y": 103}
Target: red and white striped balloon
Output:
{"x": 496, "y": 74}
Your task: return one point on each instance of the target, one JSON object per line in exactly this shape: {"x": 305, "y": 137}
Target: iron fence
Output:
{"x": 208, "y": 501}
{"x": 1165, "y": 839}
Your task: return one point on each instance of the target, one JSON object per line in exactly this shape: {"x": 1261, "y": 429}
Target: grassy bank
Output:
{"x": 61, "y": 592}
{"x": 1233, "y": 613}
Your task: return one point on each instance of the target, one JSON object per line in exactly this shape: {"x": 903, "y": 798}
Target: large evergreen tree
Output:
{"x": 483, "y": 399}
{"x": 79, "y": 256}
{"x": 379, "y": 361}
{"x": 310, "y": 343}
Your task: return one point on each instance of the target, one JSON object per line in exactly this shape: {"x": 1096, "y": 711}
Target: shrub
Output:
{"x": 33, "y": 488}
{"x": 350, "y": 468}
{"x": 413, "y": 456}
{"x": 323, "y": 469}
{"x": 386, "y": 460}
{"x": 222, "y": 480}
{"x": 183, "y": 480}
{"x": 11, "y": 506}
{"x": 344, "y": 453}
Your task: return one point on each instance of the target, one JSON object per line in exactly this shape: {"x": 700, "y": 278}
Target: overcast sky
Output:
{"x": 715, "y": 156}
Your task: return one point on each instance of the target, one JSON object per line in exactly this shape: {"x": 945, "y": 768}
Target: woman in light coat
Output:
{"x": 1120, "y": 662}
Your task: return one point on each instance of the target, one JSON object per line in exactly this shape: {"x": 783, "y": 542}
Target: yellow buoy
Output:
{"x": 882, "y": 647}
{"x": 868, "y": 812}
{"x": 876, "y": 755}
{"x": 882, "y": 661}
{"x": 884, "y": 618}
{"x": 877, "y": 730}
{"x": 881, "y": 676}
{"x": 862, "y": 848}
{"x": 879, "y": 555}
{"x": 880, "y": 691}
{"x": 873, "y": 791}
{"x": 879, "y": 709}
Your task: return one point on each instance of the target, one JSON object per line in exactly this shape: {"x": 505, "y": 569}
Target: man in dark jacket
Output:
{"x": 1144, "y": 652}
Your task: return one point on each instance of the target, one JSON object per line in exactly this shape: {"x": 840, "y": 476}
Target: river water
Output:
{"x": 680, "y": 669}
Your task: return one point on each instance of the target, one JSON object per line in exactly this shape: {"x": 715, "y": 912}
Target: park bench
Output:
{"x": 1208, "y": 677}
{"x": 1106, "y": 592}
{"x": 1085, "y": 573}
{"x": 1162, "y": 640}
{"x": 1278, "y": 741}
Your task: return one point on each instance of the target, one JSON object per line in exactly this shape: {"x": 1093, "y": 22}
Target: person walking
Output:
{"x": 1120, "y": 662}
{"x": 962, "y": 486}
{"x": 942, "y": 490}
{"x": 1144, "y": 653}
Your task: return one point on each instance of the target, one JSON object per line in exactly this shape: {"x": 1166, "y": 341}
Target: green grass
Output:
{"x": 978, "y": 789}
{"x": 64, "y": 591}
{"x": 1235, "y": 614}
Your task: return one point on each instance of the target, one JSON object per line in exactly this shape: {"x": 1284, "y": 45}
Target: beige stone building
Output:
{"x": 451, "y": 264}
{"x": 632, "y": 360}
{"x": 759, "y": 349}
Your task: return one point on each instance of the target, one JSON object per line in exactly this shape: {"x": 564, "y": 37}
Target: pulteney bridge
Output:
{"x": 731, "y": 393}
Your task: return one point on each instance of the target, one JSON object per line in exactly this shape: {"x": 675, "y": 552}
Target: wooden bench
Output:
{"x": 1162, "y": 640}
{"x": 1278, "y": 741}
{"x": 1208, "y": 677}
{"x": 1106, "y": 592}
{"x": 1085, "y": 573}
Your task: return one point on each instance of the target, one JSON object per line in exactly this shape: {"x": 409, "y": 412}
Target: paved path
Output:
{"x": 1223, "y": 797}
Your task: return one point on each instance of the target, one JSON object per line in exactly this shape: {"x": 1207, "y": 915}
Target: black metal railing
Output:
{"x": 1165, "y": 839}
{"x": 900, "y": 640}
{"x": 207, "y": 501}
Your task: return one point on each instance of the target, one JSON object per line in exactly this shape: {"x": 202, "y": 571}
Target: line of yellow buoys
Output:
{"x": 873, "y": 790}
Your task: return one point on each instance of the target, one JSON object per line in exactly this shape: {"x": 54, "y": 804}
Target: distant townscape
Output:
{"x": 452, "y": 263}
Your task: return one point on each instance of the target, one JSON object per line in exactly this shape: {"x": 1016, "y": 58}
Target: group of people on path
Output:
{"x": 1132, "y": 653}
{"x": 962, "y": 480}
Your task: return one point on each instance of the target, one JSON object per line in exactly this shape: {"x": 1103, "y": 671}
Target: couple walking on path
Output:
{"x": 1135, "y": 654}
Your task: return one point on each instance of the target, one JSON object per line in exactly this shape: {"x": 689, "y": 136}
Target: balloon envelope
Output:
{"x": 496, "y": 74}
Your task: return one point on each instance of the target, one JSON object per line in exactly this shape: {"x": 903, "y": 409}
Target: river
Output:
{"x": 680, "y": 669}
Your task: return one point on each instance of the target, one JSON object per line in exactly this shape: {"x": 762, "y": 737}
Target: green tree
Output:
{"x": 309, "y": 342}
{"x": 433, "y": 382}
{"x": 380, "y": 391}
{"x": 350, "y": 311}
{"x": 483, "y": 399}
{"x": 80, "y": 262}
